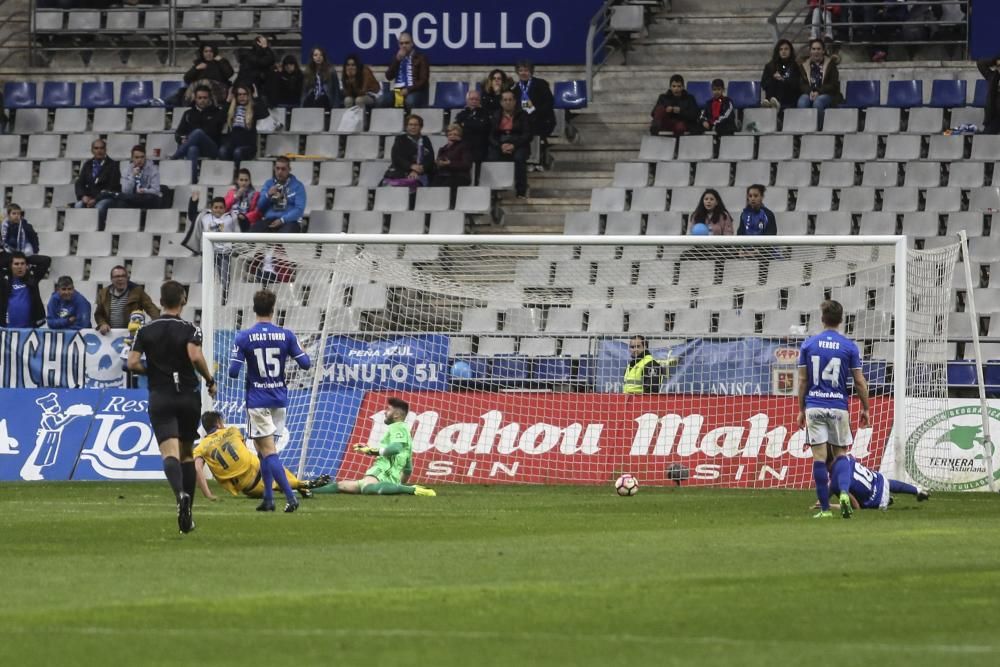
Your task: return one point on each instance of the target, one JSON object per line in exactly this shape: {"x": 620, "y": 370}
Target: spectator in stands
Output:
{"x": 320, "y": 85}
{"x": 410, "y": 74}
{"x": 212, "y": 70}
{"x": 288, "y": 82}
{"x": 675, "y": 111}
{"x": 239, "y": 140}
{"x": 117, "y": 301}
{"x": 535, "y": 97}
{"x": 98, "y": 181}
{"x": 20, "y": 303}
{"x": 756, "y": 219}
{"x": 821, "y": 18}
{"x": 781, "y": 80}
{"x": 67, "y": 309}
{"x": 644, "y": 374}
{"x": 257, "y": 69}
{"x": 412, "y": 156}
{"x": 510, "y": 140}
{"x": 216, "y": 218}
{"x": 361, "y": 88}
{"x": 719, "y": 114}
{"x": 200, "y": 131}
{"x": 476, "y": 125}
{"x": 493, "y": 86}
{"x": 990, "y": 69}
{"x": 140, "y": 183}
{"x": 282, "y": 202}
{"x": 820, "y": 83}
{"x": 17, "y": 235}
{"x": 454, "y": 161}
{"x": 712, "y": 214}
{"x": 242, "y": 200}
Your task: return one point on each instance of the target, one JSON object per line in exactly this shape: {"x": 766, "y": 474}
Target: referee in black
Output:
{"x": 173, "y": 354}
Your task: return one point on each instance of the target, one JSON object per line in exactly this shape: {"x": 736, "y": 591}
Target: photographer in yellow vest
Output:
{"x": 644, "y": 374}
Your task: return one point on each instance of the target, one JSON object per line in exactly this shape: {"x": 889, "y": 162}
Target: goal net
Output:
{"x": 513, "y": 351}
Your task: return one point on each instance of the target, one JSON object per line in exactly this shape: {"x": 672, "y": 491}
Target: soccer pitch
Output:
{"x": 97, "y": 574}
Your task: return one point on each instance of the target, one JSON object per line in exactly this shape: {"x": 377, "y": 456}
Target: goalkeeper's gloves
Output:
{"x": 364, "y": 449}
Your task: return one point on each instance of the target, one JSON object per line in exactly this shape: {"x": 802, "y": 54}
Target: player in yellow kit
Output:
{"x": 234, "y": 466}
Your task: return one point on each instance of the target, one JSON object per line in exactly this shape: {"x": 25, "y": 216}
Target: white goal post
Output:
{"x": 512, "y": 350}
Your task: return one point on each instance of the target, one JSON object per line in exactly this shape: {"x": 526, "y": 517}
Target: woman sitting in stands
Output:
{"x": 711, "y": 217}
{"x": 781, "y": 80}
{"x": 239, "y": 138}
{"x": 288, "y": 83}
{"x": 493, "y": 86}
{"x": 361, "y": 88}
{"x": 320, "y": 85}
{"x": 209, "y": 69}
{"x": 412, "y": 156}
{"x": 242, "y": 200}
{"x": 820, "y": 84}
{"x": 454, "y": 161}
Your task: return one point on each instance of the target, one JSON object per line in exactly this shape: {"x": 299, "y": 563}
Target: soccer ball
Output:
{"x": 626, "y": 485}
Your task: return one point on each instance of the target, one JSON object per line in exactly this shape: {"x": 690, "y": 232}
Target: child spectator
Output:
{"x": 712, "y": 213}
{"x": 213, "y": 219}
{"x": 781, "y": 80}
{"x": 17, "y": 235}
{"x": 756, "y": 219}
{"x": 676, "y": 111}
{"x": 67, "y": 309}
{"x": 242, "y": 200}
{"x": 719, "y": 114}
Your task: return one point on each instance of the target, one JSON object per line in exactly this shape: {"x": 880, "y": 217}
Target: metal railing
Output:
{"x": 794, "y": 25}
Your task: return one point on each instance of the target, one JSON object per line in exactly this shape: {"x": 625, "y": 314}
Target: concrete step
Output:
{"x": 698, "y": 56}
{"x": 728, "y": 8}
{"x": 718, "y": 30}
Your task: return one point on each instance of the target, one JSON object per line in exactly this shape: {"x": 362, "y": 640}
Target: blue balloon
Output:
{"x": 700, "y": 229}
{"x": 461, "y": 370}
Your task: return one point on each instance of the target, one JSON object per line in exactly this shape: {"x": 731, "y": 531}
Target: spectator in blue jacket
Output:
{"x": 17, "y": 235}
{"x": 756, "y": 219}
{"x": 20, "y": 304}
{"x": 282, "y": 202}
{"x": 67, "y": 309}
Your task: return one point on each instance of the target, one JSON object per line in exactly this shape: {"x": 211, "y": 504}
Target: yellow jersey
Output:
{"x": 227, "y": 457}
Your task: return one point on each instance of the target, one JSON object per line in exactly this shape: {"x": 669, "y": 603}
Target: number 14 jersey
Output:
{"x": 828, "y": 358}
{"x": 263, "y": 349}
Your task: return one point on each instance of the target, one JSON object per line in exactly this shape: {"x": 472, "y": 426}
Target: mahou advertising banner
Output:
{"x": 548, "y": 438}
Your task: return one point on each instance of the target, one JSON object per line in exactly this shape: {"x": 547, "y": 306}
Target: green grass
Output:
{"x": 97, "y": 574}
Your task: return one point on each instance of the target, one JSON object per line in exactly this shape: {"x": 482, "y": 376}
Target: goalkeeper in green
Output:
{"x": 394, "y": 461}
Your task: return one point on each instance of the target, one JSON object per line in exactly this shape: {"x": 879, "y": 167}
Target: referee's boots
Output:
{"x": 184, "y": 519}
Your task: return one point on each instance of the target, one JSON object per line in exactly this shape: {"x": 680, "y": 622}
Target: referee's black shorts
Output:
{"x": 174, "y": 415}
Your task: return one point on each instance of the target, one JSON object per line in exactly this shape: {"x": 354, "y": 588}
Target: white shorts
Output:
{"x": 829, "y": 425}
{"x": 265, "y": 422}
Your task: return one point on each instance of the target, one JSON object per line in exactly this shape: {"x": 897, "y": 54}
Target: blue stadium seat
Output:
{"x": 136, "y": 94}
{"x": 875, "y": 372}
{"x": 570, "y": 94}
{"x": 863, "y": 94}
{"x": 94, "y": 94}
{"x": 169, "y": 88}
{"x": 961, "y": 374}
{"x": 553, "y": 368}
{"x": 702, "y": 91}
{"x": 745, "y": 94}
{"x": 58, "y": 94}
{"x": 991, "y": 376}
{"x": 480, "y": 366}
{"x": 587, "y": 370}
{"x": 948, "y": 93}
{"x": 450, "y": 94}
{"x": 20, "y": 94}
{"x": 906, "y": 94}
{"x": 510, "y": 367}
{"x": 979, "y": 96}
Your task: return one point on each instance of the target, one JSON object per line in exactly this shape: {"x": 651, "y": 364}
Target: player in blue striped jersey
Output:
{"x": 866, "y": 488}
{"x": 824, "y": 362}
{"x": 263, "y": 349}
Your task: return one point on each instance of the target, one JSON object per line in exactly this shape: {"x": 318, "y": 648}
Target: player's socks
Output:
{"x": 278, "y": 473}
{"x": 388, "y": 489}
{"x": 175, "y": 478}
{"x": 328, "y": 488}
{"x": 895, "y": 486}
{"x": 822, "y": 479}
{"x": 267, "y": 477}
{"x": 189, "y": 478}
{"x": 842, "y": 471}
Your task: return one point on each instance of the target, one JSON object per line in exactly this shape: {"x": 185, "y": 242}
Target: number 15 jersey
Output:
{"x": 828, "y": 357}
{"x": 263, "y": 349}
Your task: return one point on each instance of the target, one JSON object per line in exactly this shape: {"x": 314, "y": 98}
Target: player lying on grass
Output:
{"x": 234, "y": 466}
{"x": 860, "y": 487}
{"x": 394, "y": 462}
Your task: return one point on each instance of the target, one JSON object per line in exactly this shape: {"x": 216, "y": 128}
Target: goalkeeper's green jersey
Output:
{"x": 390, "y": 468}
